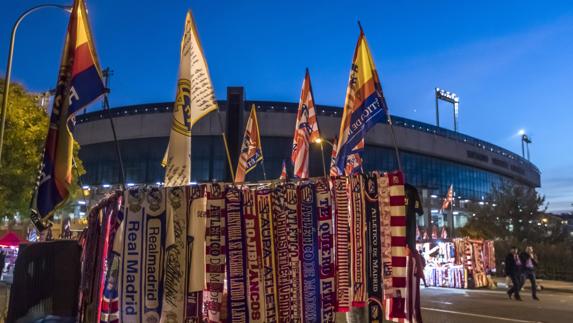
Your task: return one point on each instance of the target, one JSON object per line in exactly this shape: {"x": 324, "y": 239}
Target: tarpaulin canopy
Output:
{"x": 10, "y": 239}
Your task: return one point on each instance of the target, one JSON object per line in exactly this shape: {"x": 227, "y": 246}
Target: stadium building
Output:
{"x": 432, "y": 158}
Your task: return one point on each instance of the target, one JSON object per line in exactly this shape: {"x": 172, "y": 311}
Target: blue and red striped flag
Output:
{"x": 79, "y": 83}
{"x": 364, "y": 105}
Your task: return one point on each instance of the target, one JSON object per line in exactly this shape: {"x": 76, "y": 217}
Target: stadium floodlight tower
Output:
{"x": 450, "y": 97}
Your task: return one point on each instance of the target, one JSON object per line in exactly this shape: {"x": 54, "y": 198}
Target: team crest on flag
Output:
{"x": 251, "y": 150}
{"x": 194, "y": 99}
{"x": 79, "y": 83}
{"x": 364, "y": 105}
{"x": 306, "y": 129}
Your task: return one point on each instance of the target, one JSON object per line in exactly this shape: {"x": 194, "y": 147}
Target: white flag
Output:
{"x": 195, "y": 98}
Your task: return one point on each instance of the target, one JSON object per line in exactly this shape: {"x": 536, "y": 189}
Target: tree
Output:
{"x": 24, "y": 138}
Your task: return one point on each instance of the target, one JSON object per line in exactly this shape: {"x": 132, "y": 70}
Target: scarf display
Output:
{"x": 308, "y": 246}
{"x": 342, "y": 260}
{"x": 214, "y": 252}
{"x": 282, "y": 254}
{"x": 236, "y": 257}
{"x": 292, "y": 251}
{"x": 325, "y": 251}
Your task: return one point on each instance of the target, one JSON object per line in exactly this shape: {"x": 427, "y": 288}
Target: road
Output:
{"x": 444, "y": 305}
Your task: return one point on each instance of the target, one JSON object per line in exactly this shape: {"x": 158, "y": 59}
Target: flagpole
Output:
{"x": 226, "y": 146}
{"x": 79, "y": 180}
{"x": 263, "y": 166}
{"x": 323, "y": 163}
{"x": 395, "y": 141}
{"x": 106, "y": 73}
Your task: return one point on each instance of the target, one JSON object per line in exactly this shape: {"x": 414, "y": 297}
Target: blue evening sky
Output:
{"x": 510, "y": 62}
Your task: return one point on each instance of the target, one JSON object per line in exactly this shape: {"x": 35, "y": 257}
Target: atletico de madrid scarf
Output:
{"x": 291, "y": 203}
{"x": 195, "y": 253}
{"x": 282, "y": 255}
{"x": 255, "y": 278}
{"x": 325, "y": 251}
{"x": 357, "y": 240}
{"x": 342, "y": 259}
{"x": 308, "y": 253}
{"x": 214, "y": 253}
{"x": 373, "y": 250}
{"x": 264, "y": 209}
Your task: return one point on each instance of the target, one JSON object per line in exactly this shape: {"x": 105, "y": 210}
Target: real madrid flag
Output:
{"x": 364, "y": 105}
{"x": 194, "y": 99}
{"x": 79, "y": 83}
{"x": 251, "y": 150}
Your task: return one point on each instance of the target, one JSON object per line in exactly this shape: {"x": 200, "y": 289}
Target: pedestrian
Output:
{"x": 513, "y": 269}
{"x": 2, "y": 263}
{"x": 529, "y": 261}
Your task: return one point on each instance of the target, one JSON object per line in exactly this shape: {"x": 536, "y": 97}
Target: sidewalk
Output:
{"x": 542, "y": 284}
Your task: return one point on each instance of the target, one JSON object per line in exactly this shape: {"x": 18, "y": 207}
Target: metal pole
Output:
{"x": 455, "y": 117}
{"x": 395, "y": 143}
{"x": 528, "y": 151}
{"x": 106, "y": 74}
{"x": 223, "y": 133}
{"x": 437, "y": 112}
{"x": 8, "y": 76}
{"x": 264, "y": 172}
{"x": 522, "y": 147}
{"x": 322, "y": 155}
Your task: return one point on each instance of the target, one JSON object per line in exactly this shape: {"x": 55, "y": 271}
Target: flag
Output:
{"x": 79, "y": 83}
{"x": 449, "y": 198}
{"x": 364, "y": 105}
{"x": 354, "y": 160}
{"x": 194, "y": 99}
{"x": 305, "y": 131}
{"x": 251, "y": 150}
{"x": 333, "y": 169}
{"x": 284, "y": 175}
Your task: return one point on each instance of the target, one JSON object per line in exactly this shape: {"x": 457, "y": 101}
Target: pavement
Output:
{"x": 543, "y": 284}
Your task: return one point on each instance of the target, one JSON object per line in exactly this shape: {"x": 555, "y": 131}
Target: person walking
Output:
{"x": 513, "y": 269}
{"x": 2, "y": 263}
{"x": 529, "y": 261}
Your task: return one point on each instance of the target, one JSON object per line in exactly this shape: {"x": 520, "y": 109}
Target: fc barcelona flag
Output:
{"x": 79, "y": 83}
{"x": 251, "y": 150}
{"x": 365, "y": 104}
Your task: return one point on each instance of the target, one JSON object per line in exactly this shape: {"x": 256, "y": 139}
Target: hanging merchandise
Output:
{"x": 282, "y": 254}
{"x": 342, "y": 253}
{"x": 325, "y": 251}
{"x": 373, "y": 250}
{"x": 293, "y": 242}
{"x": 195, "y": 253}
{"x": 255, "y": 279}
{"x": 357, "y": 240}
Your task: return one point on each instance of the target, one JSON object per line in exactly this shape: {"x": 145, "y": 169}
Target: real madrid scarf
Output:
{"x": 214, "y": 253}
{"x": 264, "y": 209}
{"x": 195, "y": 253}
{"x": 254, "y": 258}
{"x": 142, "y": 256}
{"x": 309, "y": 253}
{"x": 357, "y": 239}
{"x": 373, "y": 250}
{"x": 325, "y": 251}
{"x": 282, "y": 255}
{"x": 236, "y": 257}
{"x": 291, "y": 203}
{"x": 342, "y": 259}
{"x": 173, "y": 309}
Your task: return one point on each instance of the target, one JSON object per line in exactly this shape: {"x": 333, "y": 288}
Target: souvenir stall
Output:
{"x": 261, "y": 252}
{"x": 9, "y": 244}
{"x": 458, "y": 262}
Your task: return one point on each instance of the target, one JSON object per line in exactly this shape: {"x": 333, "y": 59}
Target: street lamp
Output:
{"x": 320, "y": 141}
{"x": 450, "y": 97}
{"x": 9, "y": 64}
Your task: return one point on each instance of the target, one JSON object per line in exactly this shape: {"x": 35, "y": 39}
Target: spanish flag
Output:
{"x": 79, "y": 83}
{"x": 364, "y": 105}
{"x": 251, "y": 150}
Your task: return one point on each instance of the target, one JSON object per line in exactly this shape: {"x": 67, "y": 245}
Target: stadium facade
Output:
{"x": 432, "y": 158}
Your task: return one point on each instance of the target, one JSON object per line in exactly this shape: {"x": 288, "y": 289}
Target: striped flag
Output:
{"x": 195, "y": 98}
{"x": 251, "y": 150}
{"x": 284, "y": 175}
{"x": 79, "y": 83}
{"x": 449, "y": 198}
{"x": 305, "y": 131}
{"x": 333, "y": 169}
{"x": 364, "y": 105}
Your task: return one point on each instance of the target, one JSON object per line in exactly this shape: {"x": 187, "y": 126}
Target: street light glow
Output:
{"x": 318, "y": 140}
{"x": 521, "y": 132}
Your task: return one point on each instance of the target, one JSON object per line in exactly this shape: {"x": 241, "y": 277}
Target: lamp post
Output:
{"x": 320, "y": 141}
{"x": 9, "y": 64}
{"x": 525, "y": 141}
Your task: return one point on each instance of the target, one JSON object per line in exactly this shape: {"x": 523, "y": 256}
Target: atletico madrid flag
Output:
{"x": 305, "y": 131}
{"x": 449, "y": 198}
{"x": 251, "y": 150}
{"x": 364, "y": 106}
{"x": 333, "y": 169}
{"x": 79, "y": 83}
{"x": 284, "y": 175}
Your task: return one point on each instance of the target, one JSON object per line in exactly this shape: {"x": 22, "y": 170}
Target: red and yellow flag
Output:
{"x": 79, "y": 83}
{"x": 251, "y": 150}
{"x": 305, "y": 131}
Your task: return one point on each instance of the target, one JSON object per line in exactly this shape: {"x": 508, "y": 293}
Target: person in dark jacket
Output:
{"x": 529, "y": 261}
{"x": 513, "y": 269}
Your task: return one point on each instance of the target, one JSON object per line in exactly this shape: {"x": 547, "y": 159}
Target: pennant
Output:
{"x": 305, "y": 131}
{"x": 251, "y": 150}
{"x": 79, "y": 83}
{"x": 449, "y": 198}
{"x": 195, "y": 98}
{"x": 284, "y": 175}
{"x": 365, "y": 104}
